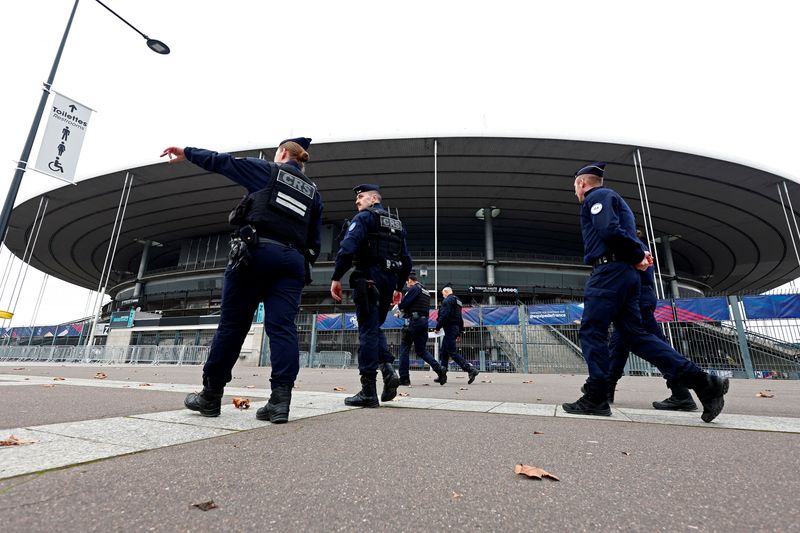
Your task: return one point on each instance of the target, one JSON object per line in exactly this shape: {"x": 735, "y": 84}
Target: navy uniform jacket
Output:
{"x": 608, "y": 227}
{"x": 409, "y": 298}
{"x": 362, "y": 224}
{"x": 450, "y": 314}
{"x": 254, "y": 174}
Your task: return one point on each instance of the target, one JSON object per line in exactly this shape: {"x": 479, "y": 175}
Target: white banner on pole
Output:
{"x": 61, "y": 144}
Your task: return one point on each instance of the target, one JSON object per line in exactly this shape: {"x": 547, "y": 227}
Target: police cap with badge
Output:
{"x": 304, "y": 142}
{"x": 595, "y": 169}
{"x": 366, "y": 187}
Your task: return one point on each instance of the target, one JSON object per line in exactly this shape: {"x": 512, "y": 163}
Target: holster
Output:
{"x": 364, "y": 290}
{"x": 238, "y": 216}
{"x": 239, "y": 256}
{"x": 405, "y": 335}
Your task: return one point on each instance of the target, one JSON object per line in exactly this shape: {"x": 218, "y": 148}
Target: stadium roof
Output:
{"x": 730, "y": 228}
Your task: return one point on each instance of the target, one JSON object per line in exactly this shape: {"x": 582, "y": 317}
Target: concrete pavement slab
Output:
{"x": 135, "y": 433}
{"x": 512, "y": 408}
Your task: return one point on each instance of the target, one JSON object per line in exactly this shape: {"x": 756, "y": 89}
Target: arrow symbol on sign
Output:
{"x": 72, "y": 108}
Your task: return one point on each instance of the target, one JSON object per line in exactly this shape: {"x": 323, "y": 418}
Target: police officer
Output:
{"x": 415, "y": 306}
{"x": 271, "y": 253}
{"x": 680, "y": 399}
{"x": 450, "y": 320}
{"x": 375, "y": 245}
{"x": 611, "y": 296}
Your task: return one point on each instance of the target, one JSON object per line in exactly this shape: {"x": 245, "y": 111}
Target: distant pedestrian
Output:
{"x": 451, "y": 322}
{"x": 415, "y": 306}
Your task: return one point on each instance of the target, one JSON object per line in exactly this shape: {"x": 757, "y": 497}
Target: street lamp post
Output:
{"x": 153, "y": 44}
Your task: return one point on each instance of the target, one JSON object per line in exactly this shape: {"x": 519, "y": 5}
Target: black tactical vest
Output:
{"x": 383, "y": 245}
{"x": 421, "y": 304}
{"x": 282, "y": 210}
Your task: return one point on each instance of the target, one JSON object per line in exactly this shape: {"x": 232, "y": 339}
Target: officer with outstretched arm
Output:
{"x": 277, "y": 239}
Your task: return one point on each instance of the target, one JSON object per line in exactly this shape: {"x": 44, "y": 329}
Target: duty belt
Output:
{"x": 603, "y": 259}
{"x": 264, "y": 240}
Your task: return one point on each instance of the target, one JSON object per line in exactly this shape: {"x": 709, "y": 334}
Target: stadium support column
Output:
{"x": 673, "y": 280}
{"x": 137, "y": 290}
{"x": 487, "y": 214}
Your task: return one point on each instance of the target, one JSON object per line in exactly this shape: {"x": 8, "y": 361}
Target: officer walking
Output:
{"x": 277, "y": 240}
{"x": 680, "y": 399}
{"x": 375, "y": 245}
{"x": 611, "y": 296}
{"x": 450, "y": 320}
{"x": 415, "y": 306}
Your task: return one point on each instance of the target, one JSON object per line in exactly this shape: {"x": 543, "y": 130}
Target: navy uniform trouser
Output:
{"x": 372, "y": 305}
{"x": 449, "y": 349}
{"x": 417, "y": 335}
{"x": 620, "y": 349}
{"x": 275, "y": 275}
{"x": 612, "y": 296}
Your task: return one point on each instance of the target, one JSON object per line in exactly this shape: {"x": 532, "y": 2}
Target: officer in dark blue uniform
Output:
{"x": 375, "y": 245}
{"x": 415, "y": 305}
{"x": 450, "y": 320}
{"x": 612, "y": 296}
{"x": 680, "y": 399}
{"x": 277, "y": 240}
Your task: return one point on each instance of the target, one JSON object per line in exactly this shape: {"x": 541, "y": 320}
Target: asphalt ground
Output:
{"x": 404, "y": 469}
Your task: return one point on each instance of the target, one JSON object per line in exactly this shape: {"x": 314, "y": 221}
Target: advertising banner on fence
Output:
{"x": 548, "y": 314}
{"x": 772, "y": 306}
{"x": 67, "y": 121}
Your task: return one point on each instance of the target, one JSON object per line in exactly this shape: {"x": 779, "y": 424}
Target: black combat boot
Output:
{"x": 367, "y": 396}
{"x": 405, "y": 381}
{"x": 680, "y": 400}
{"x": 442, "y": 373}
{"x": 711, "y": 391}
{"x": 390, "y": 382}
{"x": 277, "y": 408}
{"x": 587, "y": 406}
{"x": 207, "y": 402}
{"x": 472, "y": 373}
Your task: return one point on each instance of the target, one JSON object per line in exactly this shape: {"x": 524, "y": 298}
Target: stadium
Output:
{"x": 496, "y": 217}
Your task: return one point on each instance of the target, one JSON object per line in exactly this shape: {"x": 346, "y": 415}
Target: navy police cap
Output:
{"x": 305, "y": 142}
{"x": 596, "y": 169}
{"x": 365, "y": 187}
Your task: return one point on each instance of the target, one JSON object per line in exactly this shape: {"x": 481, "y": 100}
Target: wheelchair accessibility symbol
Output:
{"x": 55, "y": 166}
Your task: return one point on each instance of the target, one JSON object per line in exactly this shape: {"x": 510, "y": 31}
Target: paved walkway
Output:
{"x": 77, "y": 420}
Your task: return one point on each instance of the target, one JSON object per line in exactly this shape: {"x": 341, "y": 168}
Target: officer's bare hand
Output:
{"x": 396, "y": 297}
{"x": 174, "y": 153}
{"x": 336, "y": 290}
{"x": 645, "y": 263}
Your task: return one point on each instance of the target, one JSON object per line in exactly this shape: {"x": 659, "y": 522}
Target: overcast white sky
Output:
{"x": 716, "y": 78}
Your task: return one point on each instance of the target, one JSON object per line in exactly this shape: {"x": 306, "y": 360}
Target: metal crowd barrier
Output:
{"x": 136, "y": 355}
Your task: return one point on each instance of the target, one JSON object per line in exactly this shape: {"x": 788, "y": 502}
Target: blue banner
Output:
{"x": 702, "y": 309}
{"x": 548, "y": 314}
{"x": 500, "y": 316}
{"x": 772, "y": 306}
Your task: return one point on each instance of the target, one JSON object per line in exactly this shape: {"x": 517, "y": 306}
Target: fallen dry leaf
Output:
{"x": 59, "y": 379}
{"x": 463, "y": 388}
{"x": 145, "y": 385}
{"x": 49, "y": 385}
{"x": 456, "y": 495}
{"x": 20, "y": 368}
{"x": 402, "y": 394}
{"x": 486, "y": 381}
{"x": 626, "y": 453}
{"x": 14, "y": 441}
{"x": 241, "y": 403}
{"x": 426, "y": 384}
{"x": 205, "y": 506}
{"x": 100, "y": 375}
{"x": 538, "y": 433}
{"x": 764, "y": 394}
{"x": 529, "y": 381}
{"x": 533, "y": 471}
{"x": 339, "y": 389}
{"x": 249, "y": 386}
